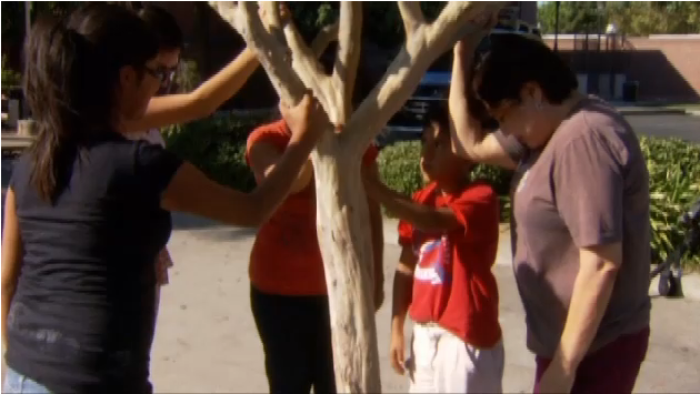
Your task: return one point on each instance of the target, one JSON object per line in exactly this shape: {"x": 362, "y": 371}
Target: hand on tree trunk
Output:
{"x": 306, "y": 120}
{"x": 466, "y": 47}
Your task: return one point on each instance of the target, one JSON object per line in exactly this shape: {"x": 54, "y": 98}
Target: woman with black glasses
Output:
{"x": 87, "y": 211}
{"x": 166, "y": 109}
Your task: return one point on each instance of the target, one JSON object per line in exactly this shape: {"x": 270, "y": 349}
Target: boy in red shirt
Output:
{"x": 449, "y": 235}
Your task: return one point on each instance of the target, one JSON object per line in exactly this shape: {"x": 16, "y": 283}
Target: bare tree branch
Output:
{"x": 412, "y": 16}
{"x": 228, "y": 11}
{"x": 327, "y": 35}
{"x": 309, "y": 70}
{"x": 462, "y": 14}
{"x": 271, "y": 10}
{"x": 272, "y": 55}
{"x": 405, "y": 72}
{"x": 348, "y": 57}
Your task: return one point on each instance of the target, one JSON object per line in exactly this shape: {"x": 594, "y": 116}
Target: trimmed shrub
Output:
{"x": 674, "y": 185}
{"x": 399, "y": 167}
{"x": 217, "y": 146}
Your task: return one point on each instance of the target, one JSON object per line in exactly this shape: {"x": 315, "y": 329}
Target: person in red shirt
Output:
{"x": 289, "y": 297}
{"x": 449, "y": 235}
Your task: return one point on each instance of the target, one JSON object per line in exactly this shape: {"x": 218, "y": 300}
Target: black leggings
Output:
{"x": 296, "y": 336}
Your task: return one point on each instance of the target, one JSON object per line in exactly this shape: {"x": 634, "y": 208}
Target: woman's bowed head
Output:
{"x": 528, "y": 88}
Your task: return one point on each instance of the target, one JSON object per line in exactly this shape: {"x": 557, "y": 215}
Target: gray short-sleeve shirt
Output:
{"x": 588, "y": 186}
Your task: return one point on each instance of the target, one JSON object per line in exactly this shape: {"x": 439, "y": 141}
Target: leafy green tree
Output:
{"x": 656, "y": 17}
{"x": 574, "y": 17}
{"x": 381, "y": 19}
{"x": 634, "y": 18}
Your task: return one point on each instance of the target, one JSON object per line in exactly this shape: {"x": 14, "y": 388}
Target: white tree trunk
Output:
{"x": 346, "y": 246}
{"x": 342, "y": 213}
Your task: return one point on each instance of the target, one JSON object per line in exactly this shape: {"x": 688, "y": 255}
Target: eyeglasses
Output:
{"x": 164, "y": 75}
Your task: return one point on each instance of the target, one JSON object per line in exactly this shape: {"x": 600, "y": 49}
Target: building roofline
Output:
{"x": 650, "y": 37}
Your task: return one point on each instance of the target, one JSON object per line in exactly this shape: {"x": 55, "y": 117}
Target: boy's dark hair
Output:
{"x": 437, "y": 113}
{"x": 514, "y": 60}
{"x": 164, "y": 26}
{"x": 71, "y": 73}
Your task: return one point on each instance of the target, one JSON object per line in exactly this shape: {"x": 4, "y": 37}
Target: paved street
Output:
{"x": 685, "y": 127}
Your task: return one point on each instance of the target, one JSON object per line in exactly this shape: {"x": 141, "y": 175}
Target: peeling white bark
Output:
{"x": 347, "y": 60}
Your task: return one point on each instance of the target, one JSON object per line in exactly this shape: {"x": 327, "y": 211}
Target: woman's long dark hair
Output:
{"x": 71, "y": 75}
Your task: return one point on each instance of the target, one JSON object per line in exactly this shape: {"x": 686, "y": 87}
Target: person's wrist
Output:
{"x": 467, "y": 49}
{"x": 458, "y": 49}
{"x": 299, "y": 132}
{"x": 303, "y": 144}
{"x": 397, "y": 323}
{"x": 567, "y": 366}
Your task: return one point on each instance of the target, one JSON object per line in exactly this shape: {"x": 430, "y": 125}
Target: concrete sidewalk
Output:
{"x": 653, "y": 108}
{"x": 206, "y": 339}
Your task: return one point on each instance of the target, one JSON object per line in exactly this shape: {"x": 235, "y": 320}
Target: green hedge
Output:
{"x": 674, "y": 180}
{"x": 217, "y": 146}
{"x": 674, "y": 176}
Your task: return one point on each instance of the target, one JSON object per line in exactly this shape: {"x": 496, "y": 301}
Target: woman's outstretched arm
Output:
{"x": 171, "y": 109}
{"x": 185, "y": 107}
{"x": 193, "y": 192}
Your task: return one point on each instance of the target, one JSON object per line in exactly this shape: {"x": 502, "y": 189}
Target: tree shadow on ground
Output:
{"x": 210, "y": 229}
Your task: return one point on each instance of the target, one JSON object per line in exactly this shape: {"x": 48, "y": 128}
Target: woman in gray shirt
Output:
{"x": 580, "y": 198}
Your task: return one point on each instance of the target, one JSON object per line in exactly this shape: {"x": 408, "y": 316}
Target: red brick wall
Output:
{"x": 666, "y": 67}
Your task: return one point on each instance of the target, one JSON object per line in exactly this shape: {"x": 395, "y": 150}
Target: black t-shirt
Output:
{"x": 83, "y": 316}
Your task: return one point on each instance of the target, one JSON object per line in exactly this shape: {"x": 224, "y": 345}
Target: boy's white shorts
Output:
{"x": 442, "y": 363}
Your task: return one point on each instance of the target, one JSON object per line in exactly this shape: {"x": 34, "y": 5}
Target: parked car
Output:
{"x": 405, "y": 125}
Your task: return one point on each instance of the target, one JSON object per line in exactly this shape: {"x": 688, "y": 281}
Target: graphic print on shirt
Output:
{"x": 433, "y": 261}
